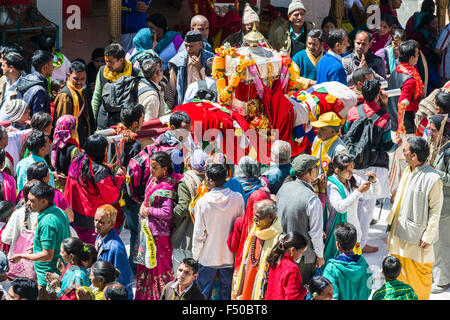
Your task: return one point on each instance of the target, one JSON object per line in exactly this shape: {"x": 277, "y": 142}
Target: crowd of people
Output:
{"x": 202, "y": 227}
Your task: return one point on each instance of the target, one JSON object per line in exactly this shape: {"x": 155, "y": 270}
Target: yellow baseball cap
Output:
{"x": 327, "y": 119}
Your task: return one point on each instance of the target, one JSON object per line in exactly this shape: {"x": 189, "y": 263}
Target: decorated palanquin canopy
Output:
{"x": 253, "y": 80}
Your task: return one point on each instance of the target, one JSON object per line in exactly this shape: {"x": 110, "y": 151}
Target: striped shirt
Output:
{"x": 443, "y": 45}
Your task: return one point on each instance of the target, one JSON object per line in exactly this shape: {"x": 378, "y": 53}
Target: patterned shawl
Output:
{"x": 62, "y": 136}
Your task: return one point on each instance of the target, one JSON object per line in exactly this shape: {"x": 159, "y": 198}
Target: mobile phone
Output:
{"x": 370, "y": 178}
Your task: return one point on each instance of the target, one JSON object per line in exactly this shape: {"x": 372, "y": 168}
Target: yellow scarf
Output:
{"x": 313, "y": 59}
{"x": 76, "y": 105}
{"x": 113, "y": 76}
{"x": 150, "y": 254}
{"x": 270, "y": 237}
{"x": 323, "y": 152}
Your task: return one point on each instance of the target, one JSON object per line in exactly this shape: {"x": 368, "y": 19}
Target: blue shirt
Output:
{"x": 22, "y": 167}
{"x": 276, "y": 175}
{"x": 330, "y": 68}
{"x": 112, "y": 249}
{"x": 133, "y": 21}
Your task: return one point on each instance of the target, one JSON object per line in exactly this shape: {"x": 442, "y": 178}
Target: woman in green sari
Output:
{"x": 344, "y": 190}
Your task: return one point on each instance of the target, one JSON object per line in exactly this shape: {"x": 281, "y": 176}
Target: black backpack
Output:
{"x": 364, "y": 138}
{"x": 123, "y": 91}
{"x": 205, "y": 93}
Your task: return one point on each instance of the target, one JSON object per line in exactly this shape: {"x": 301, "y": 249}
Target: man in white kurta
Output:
{"x": 414, "y": 219}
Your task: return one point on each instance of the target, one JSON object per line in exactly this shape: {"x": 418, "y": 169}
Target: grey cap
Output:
{"x": 304, "y": 163}
{"x": 4, "y": 264}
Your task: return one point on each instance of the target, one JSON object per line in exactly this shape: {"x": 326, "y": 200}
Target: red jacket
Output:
{"x": 284, "y": 281}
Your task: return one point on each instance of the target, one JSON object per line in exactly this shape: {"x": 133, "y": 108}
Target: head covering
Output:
{"x": 14, "y": 109}
{"x": 193, "y": 36}
{"x": 295, "y": 5}
{"x": 199, "y": 160}
{"x": 248, "y": 167}
{"x": 4, "y": 264}
{"x": 437, "y": 120}
{"x": 158, "y": 20}
{"x": 249, "y": 15}
{"x": 143, "y": 43}
{"x": 304, "y": 163}
{"x": 143, "y": 40}
{"x": 326, "y": 120}
{"x": 61, "y": 136}
{"x": 248, "y": 174}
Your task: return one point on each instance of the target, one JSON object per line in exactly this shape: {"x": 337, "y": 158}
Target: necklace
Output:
{"x": 253, "y": 260}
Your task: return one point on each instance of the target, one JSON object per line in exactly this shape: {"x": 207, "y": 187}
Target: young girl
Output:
{"x": 320, "y": 288}
{"x": 73, "y": 253}
{"x": 102, "y": 273}
{"x": 344, "y": 190}
{"x": 21, "y": 218}
{"x": 156, "y": 219}
{"x": 284, "y": 281}
{"x": 92, "y": 256}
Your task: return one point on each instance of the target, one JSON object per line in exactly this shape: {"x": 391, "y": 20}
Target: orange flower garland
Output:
{"x": 218, "y": 73}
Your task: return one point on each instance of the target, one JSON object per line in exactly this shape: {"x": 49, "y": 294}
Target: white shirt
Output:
{"x": 335, "y": 203}
{"x": 215, "y": 214}
{"x": 192, "y": 89}
{"x": 335, "y": 55}
{"x": 315, "y": 213}
{"x": 442, "y": 44}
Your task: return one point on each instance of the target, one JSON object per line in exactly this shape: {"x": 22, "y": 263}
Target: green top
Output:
{"x": 52, "y": 229}
{"x": 395, "y": 290}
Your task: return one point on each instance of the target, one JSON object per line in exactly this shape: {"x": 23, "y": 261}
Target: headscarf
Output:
{"x": 437, "y": 120}
{"x": 142, "y": 41}
{"x": 248, "y": 175}
{"x": 62, "y": 136}
{"x": 199, "y": 160}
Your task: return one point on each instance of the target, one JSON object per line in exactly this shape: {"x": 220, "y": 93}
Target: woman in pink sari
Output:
{"x": 156, "y": 221}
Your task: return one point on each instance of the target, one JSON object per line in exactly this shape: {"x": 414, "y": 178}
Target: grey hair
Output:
{"x": 150, "y": 66}
{"x": 248, "y": 167}
{"x": 281, "y": 151}
{"x": 267, "y": 207}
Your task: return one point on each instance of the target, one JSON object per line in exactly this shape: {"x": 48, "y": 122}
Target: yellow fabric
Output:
{"x": 417, "y": 275}
{"x": 324, "y": 160}
{"x": 150, "y": 244}
{"x": 357, "y": 249}
{"x": 327, "y": 119}
{"x": 76, "y": 105}
{"x": 270, "y": 237}
{"x": 113, "y": 76}
{"x": 313, "y": 59}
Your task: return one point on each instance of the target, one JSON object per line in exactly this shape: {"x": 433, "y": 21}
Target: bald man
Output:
{"x": 201, "y": 24}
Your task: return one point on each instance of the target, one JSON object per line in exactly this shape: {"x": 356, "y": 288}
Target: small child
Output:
{"x": 55, "y": 87}
{"x": 93, "y": 254}
{"x": 184, "y": 286}
{"x": 284, "y": 281}
{"x": 115, "y": 291}
{"x": 320, "y": 288}
{"x": 102, "y": 273}
{"x": 4, "y": 282}
{"x": 393, "y": 289}
{"x": 349, "y": 273}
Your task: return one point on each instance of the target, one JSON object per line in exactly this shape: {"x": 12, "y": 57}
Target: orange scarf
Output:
{"x": 409, "y": 69}
{"x": 76, "y": 105}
